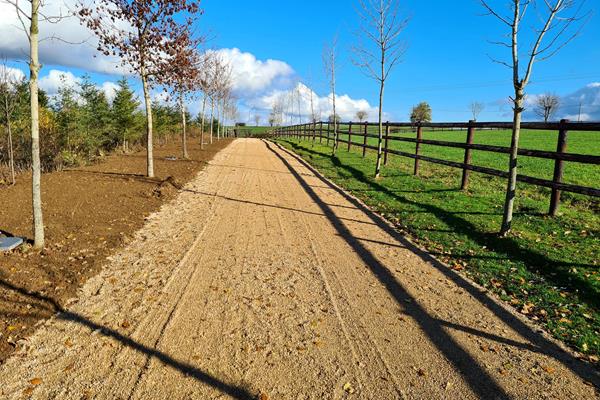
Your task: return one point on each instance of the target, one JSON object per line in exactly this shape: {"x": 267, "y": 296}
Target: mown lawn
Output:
{"x": 547, "y": 268}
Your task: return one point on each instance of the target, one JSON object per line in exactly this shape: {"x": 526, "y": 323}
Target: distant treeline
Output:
{"x": 80, "y": 123}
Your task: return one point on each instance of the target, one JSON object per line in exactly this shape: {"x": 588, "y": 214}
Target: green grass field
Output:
{"x": 578, "y": 142}
{"x": 547, "y": 268}
{"x": 256, "y": 130}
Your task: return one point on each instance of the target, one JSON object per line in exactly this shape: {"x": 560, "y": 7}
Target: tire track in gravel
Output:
{"x": 359, "y": 340}
{"x": 319, "y": 260}
{"x": 204, "y": 280}
{"x": 122, "y": 382}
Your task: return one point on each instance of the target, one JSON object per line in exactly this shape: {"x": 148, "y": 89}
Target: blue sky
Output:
{"x": 447, "y": 62}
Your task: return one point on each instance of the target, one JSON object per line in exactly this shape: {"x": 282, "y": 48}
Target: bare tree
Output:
{"x": 147, "y": 35}
{"x": 547, "y": 105}
{"x": 257, "y": 120}
{"x": 557, "y": 29}
{"x": 311, "y": 98}
{"x": 381, "y": 26}
{"x": 476, "y": 109}
{"x": 30, "y": 21}
{"x": 330, "y": 65}
{"x": 204, "y": 86}
{"x": 277, "y": 111}
{"x": 361, "y": 115}
{"x": 8, "y": 102}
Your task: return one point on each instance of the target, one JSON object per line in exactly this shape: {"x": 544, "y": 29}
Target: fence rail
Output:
{"x": 360, "y": 130}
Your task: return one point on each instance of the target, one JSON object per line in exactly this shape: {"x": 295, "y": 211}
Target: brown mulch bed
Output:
{"x": 89, "y": 213}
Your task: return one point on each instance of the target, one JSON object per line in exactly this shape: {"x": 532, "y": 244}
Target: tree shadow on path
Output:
{"x": 237, "y": 392}
{"x": 479, "y": 380}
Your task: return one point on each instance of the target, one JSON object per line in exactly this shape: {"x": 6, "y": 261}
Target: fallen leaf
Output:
{"x": 548, "y": 370}
{"x": 263, "y": 396}
{"x": 348, "y": 388}
{"x": 421, "y": 372}
{"x": 35, "y": 381}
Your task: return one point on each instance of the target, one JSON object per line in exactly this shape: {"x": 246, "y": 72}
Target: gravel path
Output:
{"x": 262, "y": 280}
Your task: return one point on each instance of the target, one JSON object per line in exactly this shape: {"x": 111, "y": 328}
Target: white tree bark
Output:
{"x": 149, "y": 147}
{"x": 202, "y": 123}
{"x": 34, "y": 68}
{"x": 183, "y": 129}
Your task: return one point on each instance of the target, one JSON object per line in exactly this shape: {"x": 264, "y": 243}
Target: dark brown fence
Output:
{"x": 360, "y": 132}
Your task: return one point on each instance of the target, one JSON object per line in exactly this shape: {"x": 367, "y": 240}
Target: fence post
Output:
{"x": 328, "y": 126}
{"x": 561, "y": 147}
{"x": 349, "y": 136}
{"x": 320, "y": 132}
{"x": 467, "y": 160}
{"x": 387, "y": 134}
{"x": 418, "y": 147}
{"x": 314, "y": 132}
{"x": 365, "y": 140}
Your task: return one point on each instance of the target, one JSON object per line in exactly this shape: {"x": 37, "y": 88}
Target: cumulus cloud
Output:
{"x": 581, "y": 105}
{"x": 11, "y": 74}
{"x": 56, "y": 79}
{"x": 297, "y": 101}
{"x": 109, "y": 89}
{"x": 76, "y": 47}
{"x": 250, "y": 75}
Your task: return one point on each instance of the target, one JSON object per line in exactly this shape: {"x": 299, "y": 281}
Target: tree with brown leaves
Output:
{"x": 185, "y": 77}
{"x": 147, "y": 35}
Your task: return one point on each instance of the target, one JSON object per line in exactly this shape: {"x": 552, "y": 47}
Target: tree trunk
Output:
{"x": 512, "y": 166}
{"x": 219, "y": 117}
{"x": 34, "y": 68}
{"x": 212, "y": 118}
{"x": 380, "y": 133}
{"x": 202, "y": 124}
{"x": 11, "y": 158}
{"x": 149, "y": 149}
{"x": 183, "y": 129}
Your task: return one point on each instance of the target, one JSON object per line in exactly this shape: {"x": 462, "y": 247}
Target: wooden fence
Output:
{"x": 360, "y": 131}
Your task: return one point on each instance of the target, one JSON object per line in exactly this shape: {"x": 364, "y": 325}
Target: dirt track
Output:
{"x": 288, "y": 288}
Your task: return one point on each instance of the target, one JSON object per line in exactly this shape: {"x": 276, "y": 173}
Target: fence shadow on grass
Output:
{"x": 480, "y": 381}
{"x": 53, "y": 306}
{"x": 554, "y": 271}
{"x": 477, "y": 378}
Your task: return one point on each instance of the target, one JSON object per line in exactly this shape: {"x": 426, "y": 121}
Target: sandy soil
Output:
{"x": 262, "y": 280}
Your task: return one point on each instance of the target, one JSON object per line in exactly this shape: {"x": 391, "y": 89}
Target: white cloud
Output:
{"x": 584, "y": 117}
{"x": 13, "y": 74}
{"x": 77, "y": 47}
{"x": 346, "y": 107}
{"x": 251, "y": 76}
{"x": 109, "y": 89}
{"x": 55, "y": 79}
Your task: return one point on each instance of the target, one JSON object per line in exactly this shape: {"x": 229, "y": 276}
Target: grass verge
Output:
{"x": 547, "y": 268}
